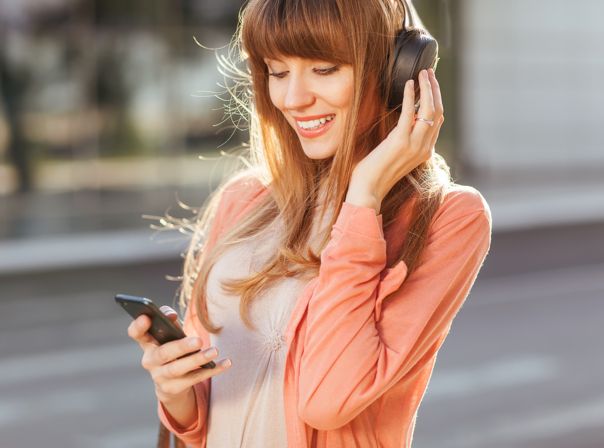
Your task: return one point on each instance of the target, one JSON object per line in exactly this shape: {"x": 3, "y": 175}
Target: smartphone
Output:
{"x": 162, "y": 328}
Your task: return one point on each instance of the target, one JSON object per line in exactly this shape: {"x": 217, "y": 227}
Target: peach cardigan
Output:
{"x": 357, "y": 366}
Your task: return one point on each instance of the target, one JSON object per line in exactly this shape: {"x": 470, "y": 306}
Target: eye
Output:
{"x": 327, "y": 71}
{"x": 320, "y": 71}
{"x": 278, "y": 75}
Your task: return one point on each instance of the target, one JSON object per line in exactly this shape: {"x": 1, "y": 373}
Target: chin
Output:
{"x": 318, "y": 153}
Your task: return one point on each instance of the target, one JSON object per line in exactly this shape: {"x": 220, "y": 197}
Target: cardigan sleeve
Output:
{"x": 356, "y": 344}
{"x": 196, "y": 432}
{"x": 237, "y": 195}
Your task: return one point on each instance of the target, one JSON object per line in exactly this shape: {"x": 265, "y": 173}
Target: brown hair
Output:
{"x": 356, "y": 32}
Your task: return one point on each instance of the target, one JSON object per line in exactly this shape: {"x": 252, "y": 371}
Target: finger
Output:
{"x": 437, "y": 95}
{"x": 199, "y": 375}
{"x": 170, "y": 351}
{"x": 435, "y": 136}
{"x": 426, "y": 108}
{"x": 181, "y": 367}
{"x": 407, "y": 117}
{"x": 438, "y": 108}
{"x": 137, "y": 330}
{"x": 171, "y": 314}
{"x": 422, "y": 131}
{"x": 439, "y": 117}
{"x": 221, "y": 366}
{"x": 168, "y": 310}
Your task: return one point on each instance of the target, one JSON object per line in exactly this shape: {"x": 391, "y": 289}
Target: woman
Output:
{"x": 328, "y": 273}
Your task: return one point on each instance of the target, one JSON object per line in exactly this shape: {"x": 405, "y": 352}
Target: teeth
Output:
{"x": 312, "y": 124}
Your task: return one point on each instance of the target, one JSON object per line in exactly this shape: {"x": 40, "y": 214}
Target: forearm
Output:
{"x": 183, "y": 410}
{"x": 361, "y": 195}
{"x": 356, "y": 345}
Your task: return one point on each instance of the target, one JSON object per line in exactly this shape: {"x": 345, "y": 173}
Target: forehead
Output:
{"x": 311, "y": 30}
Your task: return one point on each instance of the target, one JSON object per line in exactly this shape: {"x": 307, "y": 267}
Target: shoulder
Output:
{"x": 463, "y": 202}
{"x": 237, "y": 193}
{"x": 243, "y": 184}
{"x": 241, "y": 188}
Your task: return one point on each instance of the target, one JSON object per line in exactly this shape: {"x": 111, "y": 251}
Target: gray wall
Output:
{"x": 532, "y": 88}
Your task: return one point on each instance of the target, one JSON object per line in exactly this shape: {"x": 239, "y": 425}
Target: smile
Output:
{"x": 315, "y": 127}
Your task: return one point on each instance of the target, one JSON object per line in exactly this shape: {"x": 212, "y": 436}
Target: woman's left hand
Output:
{"x": 408, "y": 145}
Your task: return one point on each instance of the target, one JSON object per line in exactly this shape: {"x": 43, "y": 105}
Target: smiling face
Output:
{"x": 315, "y": 97}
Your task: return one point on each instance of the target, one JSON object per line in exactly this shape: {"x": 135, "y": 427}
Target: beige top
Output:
{"x": 246, "y": 402}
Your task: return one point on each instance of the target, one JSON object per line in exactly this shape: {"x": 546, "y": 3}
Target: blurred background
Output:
{"x": 105, "y": 108}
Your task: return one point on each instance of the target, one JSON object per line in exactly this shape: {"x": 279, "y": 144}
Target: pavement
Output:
{"x": 520, "y": 368}
{"x": 89, "y": 227}
{"x": 509, "y": 368}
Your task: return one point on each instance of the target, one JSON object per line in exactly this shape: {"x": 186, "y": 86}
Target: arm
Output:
{"x": 186, "y": 418}
{"x": 357, "y": 347}
{"x": 193, "y": 408}
{"x": 236, "y": 195}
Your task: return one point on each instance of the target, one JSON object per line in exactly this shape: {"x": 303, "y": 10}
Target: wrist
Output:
{"x": 175, "y": 400}
{"x": 181, "y": 409}
{"x": 361, "y": 195}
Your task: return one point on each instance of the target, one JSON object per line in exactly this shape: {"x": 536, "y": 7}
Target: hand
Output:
{"x": 408, "y": 145}
{"x": 173, "y": 377}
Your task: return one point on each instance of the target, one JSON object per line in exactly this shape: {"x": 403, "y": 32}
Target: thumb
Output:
{"x": 171, "y": 314}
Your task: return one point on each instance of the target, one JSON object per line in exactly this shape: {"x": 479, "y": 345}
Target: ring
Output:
{"x": 430, "y": 122}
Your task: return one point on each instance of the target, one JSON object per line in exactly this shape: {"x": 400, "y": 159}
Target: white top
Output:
{"x": 246, "y": 401}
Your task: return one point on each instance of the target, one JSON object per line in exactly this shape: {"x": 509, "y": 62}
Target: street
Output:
{"x": 522, "y": 366}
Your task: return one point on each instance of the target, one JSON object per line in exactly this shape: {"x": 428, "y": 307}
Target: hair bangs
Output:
{"x": 293, "y": 28}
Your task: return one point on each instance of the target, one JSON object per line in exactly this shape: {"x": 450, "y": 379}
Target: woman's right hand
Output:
{"x": 409, "y": 144}
{"x": 173, "y": 377}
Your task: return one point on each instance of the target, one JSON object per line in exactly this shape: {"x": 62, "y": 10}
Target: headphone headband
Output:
{"x": 410, "y": 15}
{"x": 406, "y": 19}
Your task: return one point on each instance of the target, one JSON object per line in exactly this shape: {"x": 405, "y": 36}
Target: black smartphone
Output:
{"x": 162, "y": 328}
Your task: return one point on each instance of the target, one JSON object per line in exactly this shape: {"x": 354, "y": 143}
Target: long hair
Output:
{"x": 356, "y": 32}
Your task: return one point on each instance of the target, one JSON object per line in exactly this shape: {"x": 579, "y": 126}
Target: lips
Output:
{"x": 313, "y": 133}
{"x": 312, "y": 117}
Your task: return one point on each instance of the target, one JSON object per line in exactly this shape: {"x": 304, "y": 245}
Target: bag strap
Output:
{"x": 163, "y": 438}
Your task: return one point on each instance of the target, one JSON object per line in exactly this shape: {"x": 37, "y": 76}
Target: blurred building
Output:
{"x": 531, "y": 90}
{"x": 88, "y": 83}
{"x": 86, "y": 80}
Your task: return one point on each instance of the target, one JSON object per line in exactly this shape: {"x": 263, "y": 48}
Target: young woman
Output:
{"x": 329, "y": 271}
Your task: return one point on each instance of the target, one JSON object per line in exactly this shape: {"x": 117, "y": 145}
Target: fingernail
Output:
{"x": 211, "y": 352}
{"x": 226, "y": 363}
{"x": 167, "y": 310}
{"x": 410, "y": 83}
{"x": 194, "y": 342}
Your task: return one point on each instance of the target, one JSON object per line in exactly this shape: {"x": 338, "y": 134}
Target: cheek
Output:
{"x": 275, "y": 95}
{"x": 339, "y": 91}
{"x": 340, "y": 94}
{"x": 346, "y": 96}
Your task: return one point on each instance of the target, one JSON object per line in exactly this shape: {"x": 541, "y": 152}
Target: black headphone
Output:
{"x": 415, "y": 50}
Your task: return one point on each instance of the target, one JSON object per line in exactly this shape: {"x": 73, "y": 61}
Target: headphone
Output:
{"x": 415, "y": 50}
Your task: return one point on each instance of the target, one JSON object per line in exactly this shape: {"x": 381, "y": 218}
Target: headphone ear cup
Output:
{"x": 414, "y": 51}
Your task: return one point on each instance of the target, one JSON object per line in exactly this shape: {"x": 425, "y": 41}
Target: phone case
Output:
{"x": 162, "y": 328}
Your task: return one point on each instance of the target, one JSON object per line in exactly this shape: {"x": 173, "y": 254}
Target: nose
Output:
{"x": 298, "y": 94}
